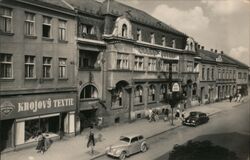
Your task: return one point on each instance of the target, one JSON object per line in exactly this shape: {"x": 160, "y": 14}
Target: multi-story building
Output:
{"x": 218, "y": 77}
{"x": 37, "y": 71}
{"x": 65, "y": 64}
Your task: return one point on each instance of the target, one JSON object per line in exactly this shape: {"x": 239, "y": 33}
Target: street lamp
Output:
{"x": 174, "y": 97}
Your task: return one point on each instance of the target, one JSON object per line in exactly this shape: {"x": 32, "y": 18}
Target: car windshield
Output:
{"x": 193, "y": 114}
{"x": 125, "y": 139}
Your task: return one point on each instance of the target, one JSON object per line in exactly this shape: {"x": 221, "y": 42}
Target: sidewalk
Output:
{"x": 75, "y": 148}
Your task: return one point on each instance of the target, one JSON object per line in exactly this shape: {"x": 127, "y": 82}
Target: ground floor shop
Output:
{"x": 23, "y": 116}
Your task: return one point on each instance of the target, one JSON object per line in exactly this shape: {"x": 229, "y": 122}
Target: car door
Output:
{"x": 134, "y": 145}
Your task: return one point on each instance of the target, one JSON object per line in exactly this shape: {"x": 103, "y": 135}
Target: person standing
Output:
{"x": 91, "y": 140}
{"x": 166, "y": 114}
{"x": 230, "y": 98}
{"x": 40, "y": 142}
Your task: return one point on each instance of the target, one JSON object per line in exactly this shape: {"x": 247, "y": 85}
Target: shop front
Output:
{"x": 23, "y": 116}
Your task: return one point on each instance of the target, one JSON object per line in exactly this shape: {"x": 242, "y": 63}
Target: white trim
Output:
{"x": 37, "y": 117}
{"x": 90, "y": 40}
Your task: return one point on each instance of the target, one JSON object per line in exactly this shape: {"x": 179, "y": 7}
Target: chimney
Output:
{"x": 202, "y": 47}
{"x": 215, "y": 51}
{"x": 221, "y": 52}
{"x": 212, "y": 50}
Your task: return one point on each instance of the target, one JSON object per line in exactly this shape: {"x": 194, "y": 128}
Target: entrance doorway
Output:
{"x": 6, "y": 134}
{"x": 87, "y": 118}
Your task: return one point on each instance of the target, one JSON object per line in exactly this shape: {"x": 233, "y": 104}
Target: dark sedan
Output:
{"x": 195, "y": 119}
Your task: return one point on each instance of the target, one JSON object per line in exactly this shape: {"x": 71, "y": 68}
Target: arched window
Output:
{"x": 151, "y": 93}
{"x": 163, "y": 91}
{"x": 124, "y": 30}
{"x": 138, "y": 95}
{"x": 117, "y": 97}
{"x": 89, "y": 91}
{"x": 92, "y": 30}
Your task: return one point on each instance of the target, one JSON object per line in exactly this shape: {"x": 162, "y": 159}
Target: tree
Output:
{"x": 201, "y": 150}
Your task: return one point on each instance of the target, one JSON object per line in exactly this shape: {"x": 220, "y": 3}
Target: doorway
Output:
{"x": 87, "y": 118}
{"x": 6, "y": 134}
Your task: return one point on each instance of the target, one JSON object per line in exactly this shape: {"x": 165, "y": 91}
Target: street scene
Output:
{"x": 124, "y": 79}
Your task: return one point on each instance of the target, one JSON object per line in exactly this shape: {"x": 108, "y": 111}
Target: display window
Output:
{"x": 47, "y": 125}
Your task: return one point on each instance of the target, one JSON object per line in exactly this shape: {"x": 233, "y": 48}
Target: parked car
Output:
{"x": 126, "y": 146}
{"x": 195, "y": 118}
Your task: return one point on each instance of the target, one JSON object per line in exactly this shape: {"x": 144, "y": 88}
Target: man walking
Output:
{"x": 91, "y": 140}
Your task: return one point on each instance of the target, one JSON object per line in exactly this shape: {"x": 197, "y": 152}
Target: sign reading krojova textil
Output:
{"x": 32, "y": 105}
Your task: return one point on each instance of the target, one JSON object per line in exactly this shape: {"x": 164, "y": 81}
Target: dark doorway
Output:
{"x": 6, "y": 134}
{"x": 87, "y": 118}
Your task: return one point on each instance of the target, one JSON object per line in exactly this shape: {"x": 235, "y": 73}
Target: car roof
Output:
{"x": 197, "y": 112}
{"x": 131, "y": 135}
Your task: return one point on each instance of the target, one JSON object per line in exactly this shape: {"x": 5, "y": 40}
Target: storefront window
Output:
{"x": 46, "y": 125}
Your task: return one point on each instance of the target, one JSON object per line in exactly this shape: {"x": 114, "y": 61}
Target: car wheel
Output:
{"x": 122, "y": 156}
{"x": 144, "y": 148}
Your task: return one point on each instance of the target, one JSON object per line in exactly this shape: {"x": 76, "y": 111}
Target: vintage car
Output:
{"x": 195, "y": 118}
{"x": 126, "y": 146}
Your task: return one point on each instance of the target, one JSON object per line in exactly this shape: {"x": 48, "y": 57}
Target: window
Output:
{"x": 5, "y": 19}
{"x": 223, "y": 74}
{"x": 152, "y": 38}
{"x": 239, "y": 75}
{"x": 151, "y": 93}
{"x": 245, "y": 76}
{"x": 189, "y": 67}
{"x": 124, "y": 30}
{"x": 49, "y": 125}
{"x": 122, "y": 61}
{"x": 30, "y": 24}
{"x": 89, "y": 92}
{"x": 163, "y": 40}
{"x": 46, "y": 27}
{"x": 62, "y": 68}
{"x": 87, "y": 29}
{"x": 138, "y": 95}
{"x": 234, "y": 74}
{"x": 152, "y": 64}
{"x": 174, "y": 67}
{"x": 117, "y": 97}
{"x": 6, "y": 66}
{"x": 139, "y": 63}
{"x": 62, "y": 30}
{"x": 163, "y": 91}
{"x": 212, "y": 76}
{"x": 164, "y": 66}
{"x": 219, "y": 73}
{"x": 88, "y": 59}
{"x": 47, "y": 67}
{"x": 139, "y": 35}
{"x": 133, "y": 140}
{"x": 173, "y": 43}
{"x": 203, "y": 74}
{"x": 208, "y": 74}
{"x": 29, "y": 66}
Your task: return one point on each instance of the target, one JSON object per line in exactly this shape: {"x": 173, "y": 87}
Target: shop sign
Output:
{"x": 36, "y": 105}
{"x": 176, "y": 87}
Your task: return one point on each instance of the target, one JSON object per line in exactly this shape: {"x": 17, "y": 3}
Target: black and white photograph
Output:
{"x": 124, "y": 79}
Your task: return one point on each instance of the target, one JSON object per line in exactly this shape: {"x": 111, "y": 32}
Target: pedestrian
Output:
{"x": 150, "y": 115}
{"x": 183, "y": 115}
{"x": 40, "y": 142}
{"x": 185, "y": 104}
{"x": 91, "y": 140}
{"x": 177, "y": 114}
{"x": 230, "y": 98}
{"x": 166, "y": 114}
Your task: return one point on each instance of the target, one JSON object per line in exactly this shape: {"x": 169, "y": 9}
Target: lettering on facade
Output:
{"x": 6, "y": 108}
{"x": 34, "y": 106}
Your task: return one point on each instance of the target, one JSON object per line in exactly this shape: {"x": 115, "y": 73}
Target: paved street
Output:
{"x": 221, "y": 125}
{"x": 75, "y": 148}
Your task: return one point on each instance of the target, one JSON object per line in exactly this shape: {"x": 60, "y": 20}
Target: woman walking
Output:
{"x": 91, "y": 140}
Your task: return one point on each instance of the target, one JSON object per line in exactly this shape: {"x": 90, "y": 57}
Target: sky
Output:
{"x": 215, "y": 24}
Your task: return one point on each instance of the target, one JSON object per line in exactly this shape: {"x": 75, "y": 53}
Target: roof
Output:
{"x": 118, "y": 9}
{"x": 58, "y": 4}
{"x": 90, "y": 6}
{"x": 211, "y": 57}
{"x": 131, "y": 135}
